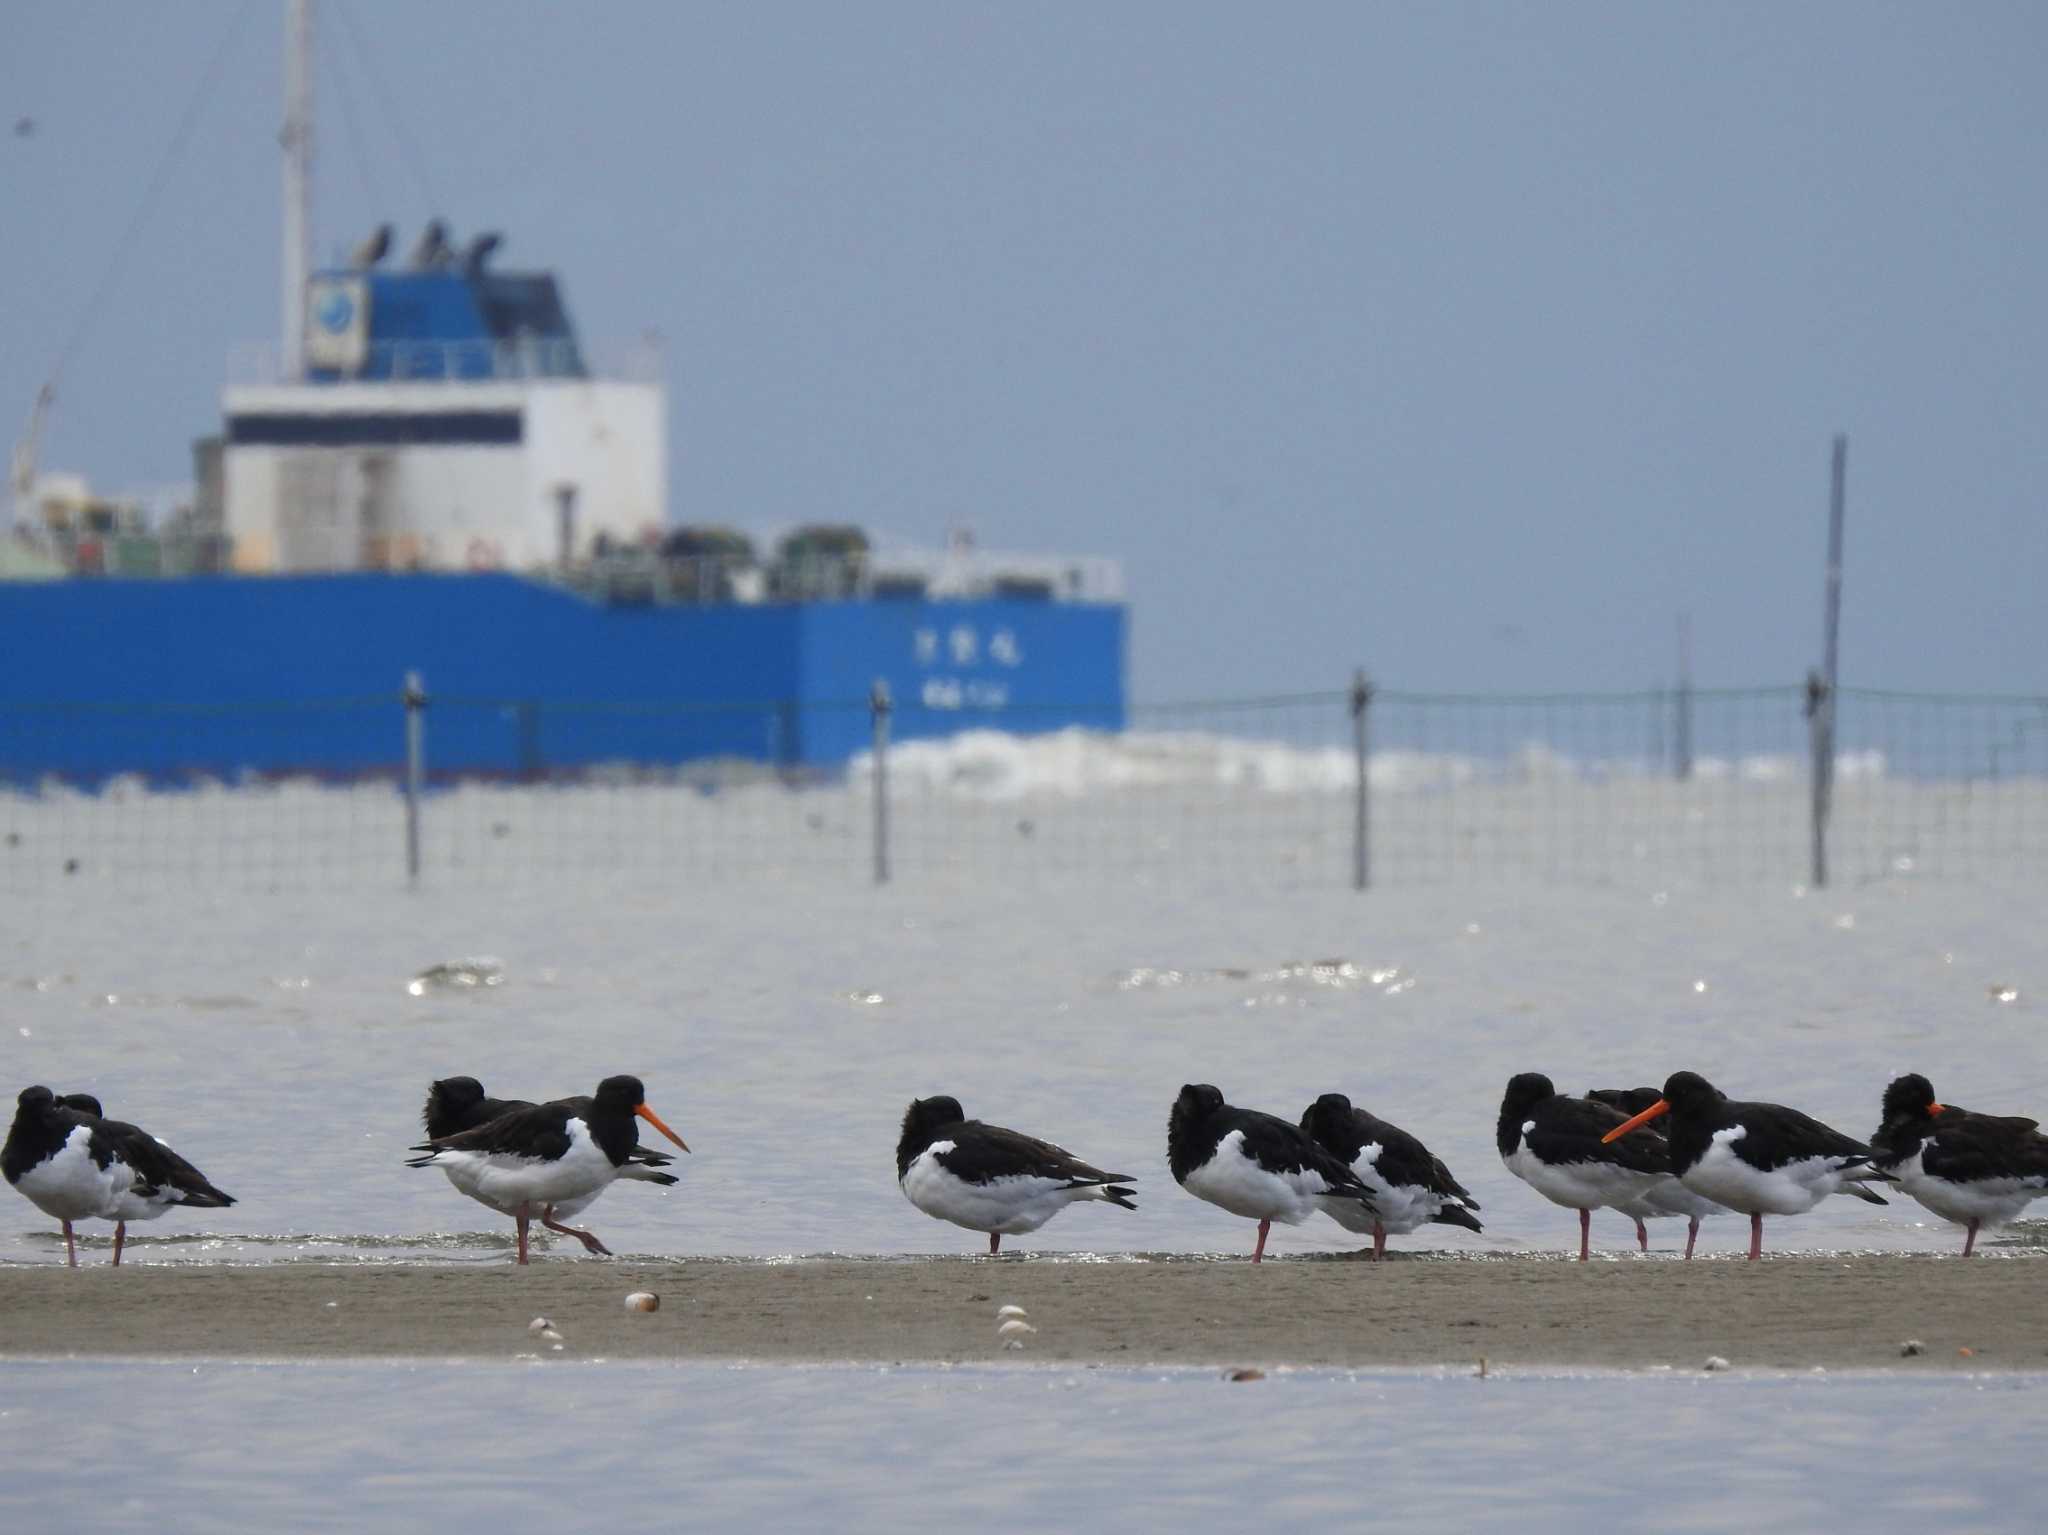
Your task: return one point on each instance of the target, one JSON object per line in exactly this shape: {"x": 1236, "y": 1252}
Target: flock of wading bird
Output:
{"x": 548, "y": 1161}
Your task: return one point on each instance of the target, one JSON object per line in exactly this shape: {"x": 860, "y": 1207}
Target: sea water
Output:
{"x": 175, "y": 1447}
{"x": 284, "y": 1042}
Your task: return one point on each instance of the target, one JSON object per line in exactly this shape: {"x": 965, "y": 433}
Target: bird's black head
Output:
{"x": 615, "y": 1104}
{"x": 1910, "y": 1096}
{"x": 626, "y": 1092}
{"x": 1333, "y": 1124}
{"x": 34, "y": 1098}
{"x": 925, "y": 1121}
{"x": 456, "y": 1094}
{"x": 1185, "y": 1147}
{"x": 85, "y": 1103}
{"x": 1690, "y": 1093}
{"x": 1196, "y": 1102}
{"x": 451, "y": 1102}
{"x": 1329, "y": 1106}
{"x": 1524, "y": 1092}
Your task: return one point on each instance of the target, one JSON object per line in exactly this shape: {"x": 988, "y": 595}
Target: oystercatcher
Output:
{"x": 1409, "y": 1185}
{"x": 1256, "y": 1165}
{"x": 1553, "y": 1143}
{"x": 535, "y": 1160}
{"x": 990, "y": 1179}
{"x": 1668, "y": 1198}
{"x": 75, "y": 1164}
{"x": 455, "y": 1104}
{"x": 1759, "y": 1158}
{"x": 1974, "y": 1169}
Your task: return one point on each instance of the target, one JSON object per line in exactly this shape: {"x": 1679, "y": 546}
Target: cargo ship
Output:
{"x": 431, "y": 475}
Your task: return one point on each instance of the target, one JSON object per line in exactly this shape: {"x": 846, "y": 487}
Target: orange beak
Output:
{"x": 1659, "y": 1107}
{"x": 1934, "y": 1109}
{"x": 654, "y": 1119}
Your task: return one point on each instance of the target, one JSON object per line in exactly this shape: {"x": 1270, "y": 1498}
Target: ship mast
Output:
{"x": 297, "y": 139}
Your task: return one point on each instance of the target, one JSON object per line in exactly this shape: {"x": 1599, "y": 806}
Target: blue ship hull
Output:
{"x": 223, "y": 676}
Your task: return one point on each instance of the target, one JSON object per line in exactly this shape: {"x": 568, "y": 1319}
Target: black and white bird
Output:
{"x": 990, "y": 1179}
{"x": 1552, "y": 1142}
{"x": 75, "y": 1164}
{"x": 1974, "y": 1169}
{"x": 1256, "y": 1165}
{"x": 1668, "y": 1198}
{"x": 373, "y": 249}
{"x": 432, "y": 252}
{"x": 530, "y": 1162}
{"x": 1409, "y": 1185}
{"x": 1759, "y": 1158}
{"x": 455, "y": 1104}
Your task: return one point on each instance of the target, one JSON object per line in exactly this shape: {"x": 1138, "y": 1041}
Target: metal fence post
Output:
{"x": 878, "y": 711}
{"x": 1361, "y": 828}
{"x": 1820, "y": 727}
{"x": 415, "y": 696}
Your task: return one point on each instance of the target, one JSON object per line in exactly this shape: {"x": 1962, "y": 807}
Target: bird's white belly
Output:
{"x": 1792, "y": 1189}
{"x": 1005, "y": 1206}
{"x": 1237, "y": 1183}
{"x": 1578, "y": 1185}
{"x": 71, "y": 1186}
{"x": 505, "y": 1182}
{"x": 1402, "y": 1208}
{"x": 131, "y": 1206}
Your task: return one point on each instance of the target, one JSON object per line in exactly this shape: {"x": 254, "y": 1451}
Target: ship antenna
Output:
{"x": 297, "y": 139}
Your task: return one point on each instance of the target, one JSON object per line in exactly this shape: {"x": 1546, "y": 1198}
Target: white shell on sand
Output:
{"x": 539, "y": 1324}
{"x": 643, "y": 1300}
{"x": 1014, "y": 1328}
{"x": 1009, "y": 1311}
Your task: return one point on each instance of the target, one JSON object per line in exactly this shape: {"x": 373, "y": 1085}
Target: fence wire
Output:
{"x": 1627, "y": 789}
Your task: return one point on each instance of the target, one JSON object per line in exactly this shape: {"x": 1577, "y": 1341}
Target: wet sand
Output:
{"x": 1791, "y": 1313}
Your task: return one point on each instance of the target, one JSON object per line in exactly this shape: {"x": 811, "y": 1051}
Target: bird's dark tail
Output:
{"x": 1120, "y": 1196}
{"x": 1457, "y": 1215}
{"x": 1868, "y": 1196}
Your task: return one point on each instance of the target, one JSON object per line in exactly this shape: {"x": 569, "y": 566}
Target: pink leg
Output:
{"x": 1970, "y": 1241}
{"x": 1756, "y": 1235}
{"x": 1692, "y": 1234}
{"x": 70, "y": 1245}
{"x": 1379, "y": 1241}
{"x": 995, "y": 1243}
{"x": 120, "y": 1236}
{"x": 521, "y": 1216}
{"x": 589, "y": 1241}
{"x": 1585, "y": 1234}
{"x": 1260, "y": 1251}
{"x": 1642, "y": 1235}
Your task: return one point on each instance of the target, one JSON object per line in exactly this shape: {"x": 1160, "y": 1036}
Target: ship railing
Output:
{"x": 632, "y": 574}
{"x": 521, "y": 360}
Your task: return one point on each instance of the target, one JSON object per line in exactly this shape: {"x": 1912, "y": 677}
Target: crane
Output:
{"x": 27, "y": 451}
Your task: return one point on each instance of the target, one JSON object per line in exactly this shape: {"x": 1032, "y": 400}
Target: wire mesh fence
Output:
{"x": 1713, "y": 786}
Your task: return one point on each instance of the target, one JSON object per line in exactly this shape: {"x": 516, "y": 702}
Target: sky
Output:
{"x": 1468, "y": 343}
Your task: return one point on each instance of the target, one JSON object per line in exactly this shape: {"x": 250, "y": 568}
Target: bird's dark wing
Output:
{"x": 1405, "y": 1161}
{"x": 538, "y": 1130}
{"x": 1569, "y": 1129}
{"x": 1273, "y": 1142}
{"x": 981, "y": 1152}
{"x": 156, "y": 1166}
{"x": 1791, "y": 1137}
{"x": 1972, "y": 1147}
